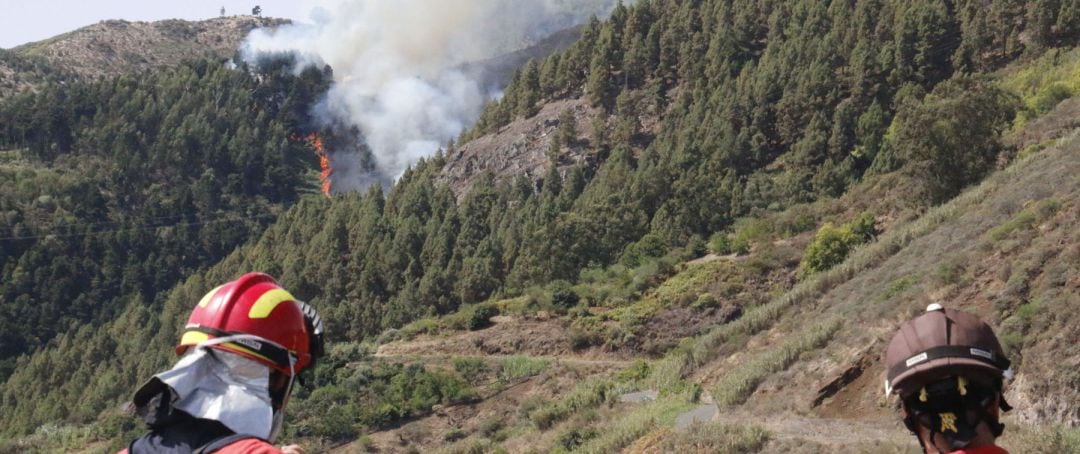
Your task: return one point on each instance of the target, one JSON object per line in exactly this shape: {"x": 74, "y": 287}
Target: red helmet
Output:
{"x": 287, "y": 333}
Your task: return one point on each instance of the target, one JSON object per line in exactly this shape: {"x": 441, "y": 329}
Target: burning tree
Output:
{"x": 315, "y": 141}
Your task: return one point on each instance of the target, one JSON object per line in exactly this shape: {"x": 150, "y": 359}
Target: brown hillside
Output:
{"x": 115, "y": 47}
{"x": 1006, "y": 249}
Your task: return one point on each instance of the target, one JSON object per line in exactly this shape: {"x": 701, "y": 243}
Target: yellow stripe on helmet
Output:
{"x": 268, "y": 302}
{"x": 206, "y": 299}
{"x": 193, "y": 338}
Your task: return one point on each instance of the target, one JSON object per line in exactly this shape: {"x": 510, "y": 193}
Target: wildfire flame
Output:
{"x": 316, "y": 143}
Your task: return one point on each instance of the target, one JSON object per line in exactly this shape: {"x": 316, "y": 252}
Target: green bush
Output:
{"x": 720, "y": 243}
{"x": 831, "y": 244}
{"x": 705, "y": 301}
{"x": 747, "y": 232}
{"x": 481, "y": 317}
{"x": 581, "y": 339}
{"x": 585, "y": 395}
{"x": 454, "y": 434}
{"x": 573, "y": 438}
{"x": 374, "y": 396}
{"x": 864, "y": 227}
{"x": 516, "y": 367}
{"x": 1050, "y": 96}
{"x": 696, "y": 247}
{"x": 649, "y": 246}
{"x": 490, "y": 427}
{"x": 898, "y": 286}
{"x": 563, "y": 296}
{"x": 471, "y": 369}
{"x": 637, "y": 371}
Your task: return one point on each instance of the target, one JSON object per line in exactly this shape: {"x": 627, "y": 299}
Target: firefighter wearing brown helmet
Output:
{"x": 948, "y": 368}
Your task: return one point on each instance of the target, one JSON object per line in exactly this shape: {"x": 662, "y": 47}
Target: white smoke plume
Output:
{"x": 397, "y": 70}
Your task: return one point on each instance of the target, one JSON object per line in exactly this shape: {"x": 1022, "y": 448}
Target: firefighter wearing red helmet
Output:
{"x": 948, "y": 368}
{"x": 241, "y": 351}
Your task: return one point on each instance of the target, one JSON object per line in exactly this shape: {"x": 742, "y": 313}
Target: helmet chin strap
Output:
{"x": 279, "y": 414}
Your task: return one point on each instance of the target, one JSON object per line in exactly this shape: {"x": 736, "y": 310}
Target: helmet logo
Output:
{"x": 948, "y": 422}
{"x": 251, "y": 343}
{"x": 916, "y": 359}
{"x": 268, "y": 302}
{"x": 982, "y": 353}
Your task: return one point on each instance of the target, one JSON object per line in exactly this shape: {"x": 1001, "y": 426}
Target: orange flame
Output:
{"x": 316, "y": 143}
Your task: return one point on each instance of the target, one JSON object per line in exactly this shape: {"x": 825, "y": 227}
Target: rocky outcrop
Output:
{"x": 520, "y": 148}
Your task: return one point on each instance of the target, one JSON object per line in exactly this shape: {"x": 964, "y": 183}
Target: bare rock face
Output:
{"x": 520, "y": 148}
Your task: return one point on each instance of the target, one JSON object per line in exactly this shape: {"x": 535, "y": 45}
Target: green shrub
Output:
{"x": 585, "y": 395}
{"x": 898, "y": 286}
{"x": 1049, "y": 97}
{"x": 563, "y": 296}
{"x": 571, "y": 439}
{"x": 637, "y": 371}
{"x": 481, "y": 317}
{"x": 581, "y": 339}
{"x": 747, "y": 232}
{"x": 950, "y": 273}
{"x": 831, "y": 244}
{"x": 696, "y": 247}
{"x": 491, "y": 426}
{"x": 516, "y": 367}
{"x": 471, "y": 369}
{"x": 720, "y": 243}
{"x": 454, "y": 434}
{"x": 705, "y": 301}
{"x": 1027, "y": 218}
{"x": 864, "y": 227}
{"x": 649, "y": 246}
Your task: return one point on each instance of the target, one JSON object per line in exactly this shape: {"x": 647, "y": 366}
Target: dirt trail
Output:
{"x": 554, "y": 359}
{"x": 836, "y": 432}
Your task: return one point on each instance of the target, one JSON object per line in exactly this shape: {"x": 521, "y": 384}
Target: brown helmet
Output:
{"x": 942, "y": 343}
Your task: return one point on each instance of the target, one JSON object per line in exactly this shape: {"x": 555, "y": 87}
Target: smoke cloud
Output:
{"x": 397, "y": 69}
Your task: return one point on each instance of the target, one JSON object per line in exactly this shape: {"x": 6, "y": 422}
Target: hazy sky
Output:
{"x": 23, "y": 21}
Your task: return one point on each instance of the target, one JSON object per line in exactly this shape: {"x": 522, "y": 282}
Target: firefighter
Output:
{"x": 948, "y": 368}
{"x": 241, "y": 351}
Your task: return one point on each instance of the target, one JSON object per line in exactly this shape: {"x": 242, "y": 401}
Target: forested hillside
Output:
{"x": 115, "y": 190}
{"x": 711, "y": 111}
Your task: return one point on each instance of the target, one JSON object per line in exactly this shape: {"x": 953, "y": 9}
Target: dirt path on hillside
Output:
{"x": 825, "y": 431}
{"x": 555, "y": 360}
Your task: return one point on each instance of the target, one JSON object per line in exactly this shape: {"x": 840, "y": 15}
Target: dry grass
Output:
{"x": 736, "y": 386}
{"x": 621, "y": 432}
{"x": 718, "y": 438}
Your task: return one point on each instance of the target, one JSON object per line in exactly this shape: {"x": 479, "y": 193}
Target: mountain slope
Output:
{"x": 1003, "y": 250}
{"x": 745, "y": 123}
{"x": 115, "y": 47}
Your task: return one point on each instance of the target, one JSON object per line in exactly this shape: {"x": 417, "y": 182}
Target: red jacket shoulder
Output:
{"x": 246, "y": 446}
{"x": 249, "y": 446}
